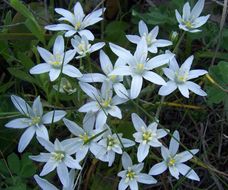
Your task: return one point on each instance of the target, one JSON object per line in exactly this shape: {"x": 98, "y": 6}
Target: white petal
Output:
{"x": 187, "y": 64}
{"x": 173, "y": 65}
{"x": 188, "y": 172}
{"x": 133, "y": 185}
{"x": 200, "y": 21}
{"x": 169, "y": 73}
{"x": 81, "y": 154}
{"x": 93, "y": 77}
{"x": 46, "y": 144}
{"x": 116, "y": 100}
{"x": 43, "y": 157}
{"x": 57, "y": 27}
{"x": 133, "y": 38}
{"x": 54, "y": 74}
{"x": 71, "y": 71}
{"x": 21, "y": 105}
{"x": 137, "y": 122}
{"x": 89, "y": 121}
{"x": 178, "y": 16}
{"x": 142, "y": 28}
{"x": 154, "y": 78}
{"x": 121, "y": 52}
{"x": 162, "y": 43}
{"x": 174, "y": 171}
{"x": 90, "y": 106}
{"x": 71, "y": 163}
{"x": 45, "y": 54}
{"x": 143, "y": 151}
{"x": 67, "y": 15}
{"x": 141, "y": 51}
{"x": 37, "y": 107}
{"x": 44, "y": 184}
{"x": 165, "y": 153}
{"x": 184, "y": 90}
{"x": 146, "y": 179}
{"x": 186, "y": 11}
{"x": 121, "y": 71}
{"x": 196, "y": 73}
{"x": 40, "y": 68}
{"x": 73, "y": 127}
{"x": 89, "y": 35}
{"x": 186, "y": 155}
{"x": 101, "y": 119}
{"x": 122, "y": 185}
{"x": 93, "y": 17}
{"x": 26, "y": 138}
{"x": 70, "y": 33}
{"x": 161, "y": 133}
{"x": 96, "y": 46}
{"x": 90, "y": 90}
{"x": 121, "y": 91}
{"x": 63, "y": 174}
{"x": 158, "y": 168}
{"x": 42, "y": 131}
{"x": 48, "y": 167}
{"x": 53, "y": 116}
{"x": 197, "y": 9}
{"x": 195, "y": 88}
{"x": 174, "y": 143}
{"x": 58, "y": 45}
{"x": 20, "y": 123}
{"x": 136, "y": 86}
{"x": 159, "y": 60}
{"x": 69, "y": 55}
{"x": 115, "y": 112}
{"x": 126, "y": 161}
{"x": 78, "y": 10}
{"x": 168, "y": 88}
{"x": 106, "y": 63}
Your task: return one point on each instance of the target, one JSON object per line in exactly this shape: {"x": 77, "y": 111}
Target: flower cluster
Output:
{"x": 120, "y": 82}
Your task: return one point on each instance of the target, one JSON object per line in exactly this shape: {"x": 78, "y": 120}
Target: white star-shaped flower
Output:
{"x": 107, "y": 68}
{"x": 175, "y": 161}
{"x": 179, "y": 78}
{"x": 77, "y": 21}
{"x": 34, "y": 120}
{"x": 59, "y": 157}
{"x": 151, "y": 38}
{"x": 103, "y": 103}
{"x": 131, "y": 174}
{"x": 139, "y": 67}
{"x": 53, "y": 62}
{"x": 191, "y": 19}
{"x": 146, "y": 136}
{"x": 83, "y": 47}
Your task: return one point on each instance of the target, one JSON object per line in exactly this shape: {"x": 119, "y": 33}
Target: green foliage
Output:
{"x": 16, "y": 172}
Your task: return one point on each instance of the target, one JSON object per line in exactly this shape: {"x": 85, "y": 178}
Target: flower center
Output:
{"x": 58, "y": 155}
{"x": 147, "y": 136}
{"x": 139, "y": 68}
{"x": 181, "y": 76}
{"x": 57, "y": 62}
{"x": 113, "y": 78}
{"x": 171, "y": 161}
{"x": 77, "y": 25}
{"x": 85, "y": 138}
{"x": 106, "y": 103}
{"x": 188, "y": 24}
{"x": 130, "y": 175}
{"x": 111, "y": 142}
{"x": 35, "y": 120}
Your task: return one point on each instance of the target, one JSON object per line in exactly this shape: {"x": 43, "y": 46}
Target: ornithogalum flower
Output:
{"x": 59, "y": 157}
{"x": 139, "y": 67}
{"x": 131, "y": 174}
{"x": 84, "y": 137}
{"x": 175, "y": 161}
{"x": 83, "y": 47}
{"x": 151, "y": 38}
{"x": 45, "y": 185}
{"x": 103, "y": 102}
{"x": 109, "y": 145}
{"x": 34, "y": 120}
{"x": 77, "y": 21}
{"x": 53, "y": 62}
{"x": 179, "y": 78}
{"x": 146, "y": 136}
{"x": 107, "y": 68}
{"x": 191, "y": 19}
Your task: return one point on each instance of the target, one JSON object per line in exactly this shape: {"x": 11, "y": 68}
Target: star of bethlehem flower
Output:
{"x": 191, "y": 19}
{"x": 146, "y": 136}
{"x": 131, "y": 175}
{"x": 175, "y": 161}
{"x": 59, "y": 157}
{"x": 151, "y": 38}
{"x": 77, "y": 21}
{"x": 107, "y": 68}
{"x": 139, "y": 67}
{"x": 109, "y": 145}
{"x": 53, "y": 62}
{"x": 103, "y": 103}
{"x": 179, "y": 78}
{"x": 34, "y": 120}
{"x": 45, "y": 185}
{"x": 83, "y": 47}
{"x": 85, "y": 137}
